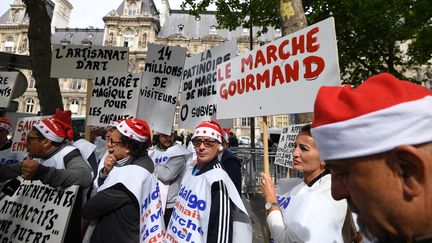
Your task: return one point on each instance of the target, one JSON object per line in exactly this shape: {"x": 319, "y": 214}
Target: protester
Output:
{"x": 377, "y": 141}
{"x": 170, "y": 160}
{"x": 127, "y": 168}
{"x": 307, "y": 212}
{"x": 232, "y": 140}
{"x": 59, "y": 165}
{"x": 231, "y": 164}
{"x": 210, "y": 194}
{"x": 6, "y": 157}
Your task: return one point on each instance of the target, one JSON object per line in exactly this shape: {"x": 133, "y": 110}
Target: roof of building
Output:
{"x": 194, "y": 28}
{"x": 147, "y": 6}
{"x": 4, "y": 19}
{"x": 78, "y": 36}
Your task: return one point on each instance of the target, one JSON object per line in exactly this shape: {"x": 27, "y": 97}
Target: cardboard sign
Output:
{"x": 23, "y": 127}
{"x": 7, "y": 82}
{"x": 198, "y": 90}
{"x": 281, "y": 77}
{"x": 286, "y": 145}
{"x": 114, "y": 97}
{"x": 83, "y": 61}
{"x": 160, "y": 86}
{"x": 36, "y": 213}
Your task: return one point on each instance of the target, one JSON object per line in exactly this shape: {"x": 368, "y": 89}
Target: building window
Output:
{"x": 213, "y": 30}
{"x": 281, "y": 121}
{"x": 29, "y": 106}
{"x": 128, "y": 39}
{"x": 245, "y": 122}
{"x": 76, "y": 84}
{"x": 73, "y": 106}
{"x": 133, "y": 9}
{"x": 9, "y": 44}
{"x": 32, "y": 83}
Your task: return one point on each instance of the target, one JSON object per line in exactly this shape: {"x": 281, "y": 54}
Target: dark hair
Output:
{"x": 306, "y": 129}
{"x": 41, "y": 136}
{"x": 137, "y": 148}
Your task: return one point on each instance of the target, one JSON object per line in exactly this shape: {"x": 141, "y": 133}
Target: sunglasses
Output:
{"x": 207, "y": 143}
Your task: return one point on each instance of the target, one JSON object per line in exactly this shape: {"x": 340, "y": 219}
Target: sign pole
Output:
{"x": 265, "y": 138}
{"x": 88, "y": 98}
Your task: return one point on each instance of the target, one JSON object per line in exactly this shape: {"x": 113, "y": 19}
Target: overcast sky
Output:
{"x": 90, "y": 12}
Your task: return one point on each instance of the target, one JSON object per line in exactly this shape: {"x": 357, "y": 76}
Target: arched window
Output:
{"x": 128, "y": 39}
{"x": 9, "y": 44}
{"x": 133, "y": 8}
{"x": 73, "y": 106}
{"x": 29, "y": 105}
{"x": 76, "y": 84}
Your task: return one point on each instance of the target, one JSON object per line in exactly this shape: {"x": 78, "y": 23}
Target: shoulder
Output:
{"x": 144, "y": 161}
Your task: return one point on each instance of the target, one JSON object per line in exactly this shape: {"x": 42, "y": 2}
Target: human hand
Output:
{"x": 268, "y": 188}
{"x": 109, "y": 162}
{"x": 29, "y": 168}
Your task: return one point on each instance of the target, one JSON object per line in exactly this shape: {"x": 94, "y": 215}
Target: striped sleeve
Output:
{"x": 220, "y": 222}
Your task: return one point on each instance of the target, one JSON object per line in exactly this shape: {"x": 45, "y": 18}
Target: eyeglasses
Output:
{"x": 111, "y": 143}
{"x": 207, "y": 143}
{"x": 30, "y": 138}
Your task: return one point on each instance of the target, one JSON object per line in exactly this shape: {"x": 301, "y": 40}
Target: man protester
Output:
{"x": 127, "y": 177}
{"x": 376, "y": 140}
{"x": 218, "y": 212}
{"x": 59, "y": 164}
{"x": 231, "y": 163}
{"x": 170, "y": 161}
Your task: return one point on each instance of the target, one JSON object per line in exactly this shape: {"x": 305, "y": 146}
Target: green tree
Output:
{"x": 369, "y": 32}
{"x": 39, "y": 36}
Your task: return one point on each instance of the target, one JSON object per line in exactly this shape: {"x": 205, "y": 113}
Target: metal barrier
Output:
{"x": 253, "y": 165}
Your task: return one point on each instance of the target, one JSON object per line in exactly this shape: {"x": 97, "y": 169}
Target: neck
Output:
{"x": 308, "y": 177}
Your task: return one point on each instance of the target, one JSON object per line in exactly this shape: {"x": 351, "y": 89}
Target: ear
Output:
{"x": 411, "y": 163}
{"x": 221, "y": 148}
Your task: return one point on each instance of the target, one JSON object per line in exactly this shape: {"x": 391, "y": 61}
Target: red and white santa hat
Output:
{"x": 114, "y": 123}
{"x": 56, "y": 128}
{"x": 135, "y": 129}
{"x": 5, "y": 124}
{"x": 210, "y": 129}
{"x": 380, "y": 114}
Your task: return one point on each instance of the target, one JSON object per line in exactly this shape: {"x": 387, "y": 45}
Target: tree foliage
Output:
{"x": 369, "y": 32}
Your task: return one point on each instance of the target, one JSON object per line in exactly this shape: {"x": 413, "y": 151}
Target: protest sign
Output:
{"x": 281, "y": 77}
{"x": 198, "y": 88}
{"x": 7, "y": 82}
{"x": 36, "y": 213}
{"x": 286, "y": 145}
{"x": 113, "y": 97}
{"x": 160, "y": 86}
{"x": 83, "y": 61}
{"x": 23, "y": 127}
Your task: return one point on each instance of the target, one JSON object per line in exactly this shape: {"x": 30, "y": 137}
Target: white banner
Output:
{"x": 23, "y": 127}
{"x": 198, "y": 89}
{"x": 281, "y": 77}
{"x": 84, "y": 61}
{"x": 36, "y": 213}
{"x": 286, "y": 145}
{"x": 7, "y": 82}
{"x": 160, "y": 86}
{"x": 114, "y": 97}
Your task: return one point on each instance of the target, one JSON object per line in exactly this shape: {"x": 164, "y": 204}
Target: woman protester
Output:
{"x": 125, "y": 180}
{"x": 307, "y": 212}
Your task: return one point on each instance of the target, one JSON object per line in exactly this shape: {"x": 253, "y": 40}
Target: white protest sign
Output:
{"x": 286, "y": 145}
{"x": 113, "y": 97}
{"x": 198, "y": 89}
{"x": 281, "y": 77}
{"x": 160, "y": 86}
{"x": 84, "y": 61}
{"x": 23, "y": 127}
{"x": 7, "y": 82}
{"x": 36, "y": 213}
